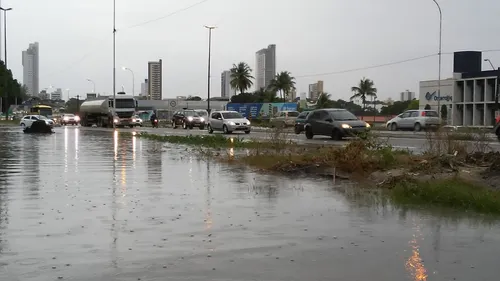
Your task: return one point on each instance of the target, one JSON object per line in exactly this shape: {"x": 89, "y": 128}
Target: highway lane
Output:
{"x": 416, "y": 145}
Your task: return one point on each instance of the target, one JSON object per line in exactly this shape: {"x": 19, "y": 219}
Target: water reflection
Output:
{"x": 414, "y": 264}
{"x": 154, "y": 162}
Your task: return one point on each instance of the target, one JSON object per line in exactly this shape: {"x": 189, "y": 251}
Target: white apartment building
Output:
{"x": 144, "y": 89}
{"x": 225, "y": 85}
{"x": 406, "y": 96}
{"x": 155, "y": 80}
{"x": 57, "y": 94}
{"x": 265, "y": 66}
{"x": 30, "y": 59}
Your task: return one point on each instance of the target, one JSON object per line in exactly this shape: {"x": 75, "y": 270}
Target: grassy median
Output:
{"x": 427, "y": 178}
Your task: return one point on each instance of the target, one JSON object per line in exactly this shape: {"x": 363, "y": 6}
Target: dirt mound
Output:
{"x": 483, "y": 159}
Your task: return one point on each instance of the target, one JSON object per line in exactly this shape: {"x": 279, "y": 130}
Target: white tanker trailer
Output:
{"x": 100, "y": 112}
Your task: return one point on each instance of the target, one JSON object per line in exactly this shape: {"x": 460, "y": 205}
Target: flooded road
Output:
{"x": 89, "y": 205}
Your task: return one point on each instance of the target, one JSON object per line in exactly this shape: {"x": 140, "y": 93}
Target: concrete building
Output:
{"x": 57, "y": 94}
{"x": 469, "y": 95}
{"x": 144, "y": 89}
{"x": 265, "y": 66}
{"x": 155, "y": 80}
{"x": 30, "y": 59}
{"x": 406, "y": 96}
{"x": 315, "y": 89}
{"x": 225, "y": 85}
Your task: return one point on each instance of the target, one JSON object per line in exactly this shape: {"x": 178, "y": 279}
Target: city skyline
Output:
{"x": 306, "y": 49}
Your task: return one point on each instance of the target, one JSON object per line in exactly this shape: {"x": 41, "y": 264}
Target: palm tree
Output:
{"x": 241, "y": 77}
{"x": 324, "y": 101}
{"x": 284, "y": 83}
{"x": 364, "y": 89}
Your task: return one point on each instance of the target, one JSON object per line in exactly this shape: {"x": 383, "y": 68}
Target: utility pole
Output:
{"x": 439, "y": 54}
{"x": 497, "y": 94}
{"x": 114, "y": 63}
{"x": 209, "y": 61}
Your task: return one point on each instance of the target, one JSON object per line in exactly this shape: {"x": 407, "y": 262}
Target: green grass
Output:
{"x": 454, "y": 193}
{"x": 9, "y": 122}
{"x": 213, "y": 141}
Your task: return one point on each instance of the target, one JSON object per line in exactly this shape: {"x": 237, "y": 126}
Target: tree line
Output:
{"x": 11, "y": 91}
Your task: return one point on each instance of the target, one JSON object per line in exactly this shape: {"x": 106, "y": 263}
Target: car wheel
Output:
{"x": 309, "y": 133}
{"x": 247, "y": 132}
{"x": 23, "y": 125}
{"x": 174, "y": 125}
{"x": 297, "y": 131}
{"x": 336, "y": 135}
{"x": 210, "y": 130}
{"x": 394, "y": 127}
{"x": 417, "y": 127}
{"x": 225, "y": 130}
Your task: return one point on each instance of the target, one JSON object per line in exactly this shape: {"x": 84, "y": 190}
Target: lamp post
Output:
{"x": 133, "y": 80}
{"x": 93, "y": 83}
{"x": 439, "y": 55}
{"x": 488, "y": 60}
{"x": 114, "y": 61}
{"x": 209, "y": 60}
{"x": 5, "y": 10}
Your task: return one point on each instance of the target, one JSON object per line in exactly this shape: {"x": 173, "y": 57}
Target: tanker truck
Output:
{"x": 100, "y": 112}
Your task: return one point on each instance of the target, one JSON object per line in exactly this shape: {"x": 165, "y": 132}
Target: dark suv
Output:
{"x": 188, "y": 119}
{"x": 333, "y": 122}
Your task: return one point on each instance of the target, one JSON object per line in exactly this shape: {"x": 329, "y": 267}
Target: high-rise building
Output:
{"x": 407, "y": 95}
{"x": 30, "y": 60}
{"x": 225, "y": 85}
{"x": 144, "y": 89}
{"x": 155, "y": 80}
{"x": 315, "y": 89}
{"x": 265, "y": 67}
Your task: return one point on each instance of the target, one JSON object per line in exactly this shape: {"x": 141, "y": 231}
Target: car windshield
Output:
{"x": 232, "y": 115}
{"x": 41, "y": 117}
{"x": 342, "y": 115}
{"x": 293, "y": 114}
{"x": 202, "y": 113}
{"x": 191, "y": 113}
{"x": 431, "y": 113}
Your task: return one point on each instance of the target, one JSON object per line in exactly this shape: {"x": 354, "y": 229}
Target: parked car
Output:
{"x": 188, "y": 118}
{"x": 28, "y": 120}
{"x": 228, "y": 122}
{"x": 69, "y": 119}
{"x": 284, "y": 119}
{"x": 336, "y": 123}
{"x": 300, "y": 122}
{"x": 415, "y": 120}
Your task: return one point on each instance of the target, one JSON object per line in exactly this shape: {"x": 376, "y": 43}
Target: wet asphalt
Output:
{"x": 91, "y": 205}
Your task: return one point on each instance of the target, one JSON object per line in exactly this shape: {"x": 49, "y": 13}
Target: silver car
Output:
{"x": 415, "y": 120}
{"x": 228, "y": 122}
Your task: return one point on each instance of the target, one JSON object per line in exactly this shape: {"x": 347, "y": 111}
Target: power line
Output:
{"x": 384, "y": 64}
{"x": 166, "y": 16}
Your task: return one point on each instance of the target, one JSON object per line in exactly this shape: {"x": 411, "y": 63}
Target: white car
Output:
{"x": 70, "y": 119}
{"x": 28, "y": 120}
{"x": 228, "y": 122}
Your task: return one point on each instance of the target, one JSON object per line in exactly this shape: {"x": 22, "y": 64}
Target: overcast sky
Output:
{"x": 312, "y": 37}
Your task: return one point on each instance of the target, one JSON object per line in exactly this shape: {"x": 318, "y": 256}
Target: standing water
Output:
{"x": 84, "y": 204}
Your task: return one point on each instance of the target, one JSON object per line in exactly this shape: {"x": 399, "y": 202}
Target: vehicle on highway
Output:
{"x": 284, "y": 119}
{"x": 69, "y": 119}
{"x": 28, "y": 120}
{"x": 415, "y": 120}
{"x": 228, "y": 122}
{"x": 300, "y": 122}
{"x": 137, "y": 120}
{"x": 333, "y": 122}
{"x": 188, "y": 118}
{"x": 101, "y": 112}
{"x": 202, "y": 113}
{"x": 43, "y": 110}
{"x": 496, "y": 129}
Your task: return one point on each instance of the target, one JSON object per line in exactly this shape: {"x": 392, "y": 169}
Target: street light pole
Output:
{"x": 439, "y": 54}
{"x": 133, "y": 80}
{"x": 93, "y": 83}
{"x": 5, "y": 10}
{"x": 488, "y": 60}
{"x": 114, "y": 62}
{"x": 209, "y": 61}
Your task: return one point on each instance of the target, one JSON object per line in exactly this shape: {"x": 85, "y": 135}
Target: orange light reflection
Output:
{"x": 414, "y": 264}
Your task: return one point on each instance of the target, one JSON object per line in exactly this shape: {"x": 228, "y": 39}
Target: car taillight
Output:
{"x": 422, "y": 114}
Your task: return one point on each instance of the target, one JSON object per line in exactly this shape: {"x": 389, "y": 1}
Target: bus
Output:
{"x": 44, "y": 110}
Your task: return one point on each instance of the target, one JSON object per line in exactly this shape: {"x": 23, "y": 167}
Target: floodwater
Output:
{"x": 89, "y": 205}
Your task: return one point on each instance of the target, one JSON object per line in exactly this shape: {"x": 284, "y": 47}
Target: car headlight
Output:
{"x": 368, "y": 125}
{"x": 248, "y": 122}
{"x": 116, "y": 120}
{"x": 346, "y": 126}
{"x": 66, "y": 118}
{"x": 190, "y": 118}
{"x": 77, "y": 118}
{"x": 232, "y": 123}
{"x": 133, "y": 120}
{"x": 202, "y": 119}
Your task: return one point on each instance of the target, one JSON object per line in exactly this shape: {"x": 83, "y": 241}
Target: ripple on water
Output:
{"x": 81, "y": 204}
